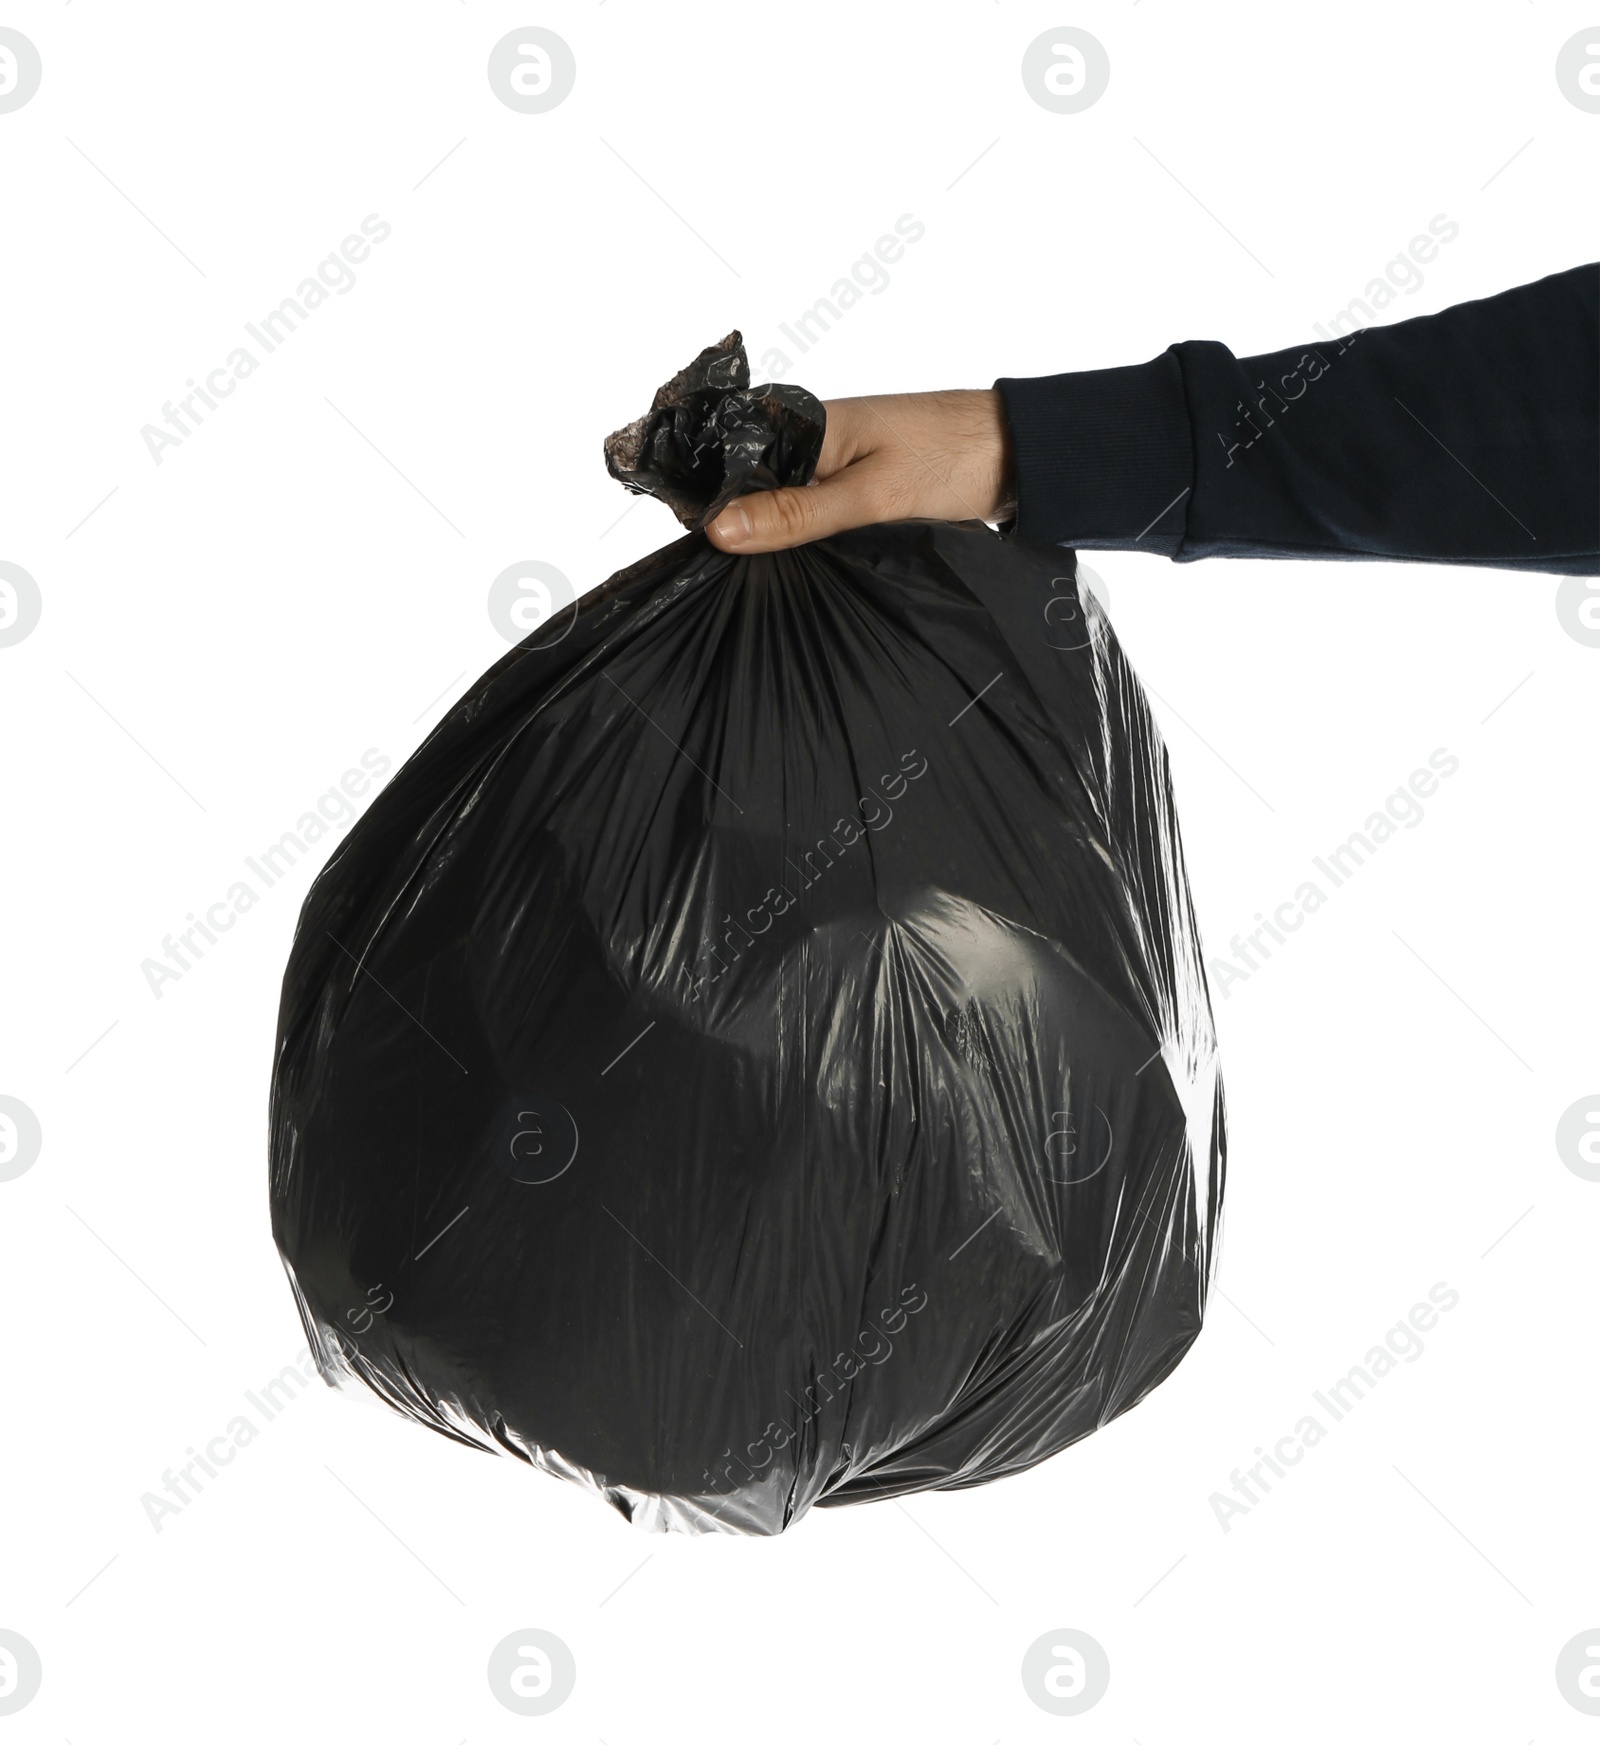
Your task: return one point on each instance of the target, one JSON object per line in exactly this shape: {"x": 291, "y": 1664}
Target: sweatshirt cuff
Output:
{"x": 1101, "y": 457}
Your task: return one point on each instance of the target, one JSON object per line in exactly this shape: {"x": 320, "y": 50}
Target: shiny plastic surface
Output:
{"x": 756, "y": 1053}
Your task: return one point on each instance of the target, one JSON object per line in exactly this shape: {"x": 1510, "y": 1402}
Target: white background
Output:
{"x": 274, "y": 598}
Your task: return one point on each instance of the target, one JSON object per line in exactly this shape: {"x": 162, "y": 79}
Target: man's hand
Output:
{"x": 887, "y": 457}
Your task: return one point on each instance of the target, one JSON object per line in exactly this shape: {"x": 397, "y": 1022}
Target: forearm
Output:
{"x": 1471, "y": 436}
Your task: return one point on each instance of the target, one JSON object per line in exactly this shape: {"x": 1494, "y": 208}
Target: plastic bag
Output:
{"x": 756, "y": 1053}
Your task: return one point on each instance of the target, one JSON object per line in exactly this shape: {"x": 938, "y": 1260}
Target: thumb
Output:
{"x": 796, "y": 514}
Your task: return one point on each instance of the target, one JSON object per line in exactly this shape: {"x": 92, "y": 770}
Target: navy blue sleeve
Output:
{"x": 1471, "y": 436}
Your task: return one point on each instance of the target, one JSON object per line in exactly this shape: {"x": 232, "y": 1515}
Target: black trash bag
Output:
{"x": 756, "y": 1053}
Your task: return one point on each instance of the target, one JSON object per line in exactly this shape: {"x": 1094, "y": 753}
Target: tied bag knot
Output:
{"x": 710, "y": 437}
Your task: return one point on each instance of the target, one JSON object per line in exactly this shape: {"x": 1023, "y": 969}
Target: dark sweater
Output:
{"x": 1471, "y": 436}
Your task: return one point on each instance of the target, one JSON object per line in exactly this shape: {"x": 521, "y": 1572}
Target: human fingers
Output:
{"x": 856, "y": 496}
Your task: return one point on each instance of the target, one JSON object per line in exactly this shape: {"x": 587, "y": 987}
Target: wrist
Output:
{"x": 1101, "y": 457}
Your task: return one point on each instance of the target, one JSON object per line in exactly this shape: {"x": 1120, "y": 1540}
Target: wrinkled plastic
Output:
{"x": 756, "y": 1053}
